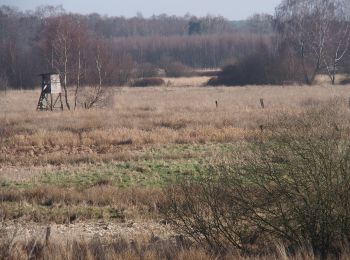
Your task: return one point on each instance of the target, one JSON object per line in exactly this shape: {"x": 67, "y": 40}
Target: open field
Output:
{"x": 171, "y": 136}
{"x": 108, "y": 167}
{"x": 142, "y": 118}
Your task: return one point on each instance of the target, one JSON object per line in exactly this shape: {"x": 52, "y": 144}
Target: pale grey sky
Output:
{"x": 232, "y": 9}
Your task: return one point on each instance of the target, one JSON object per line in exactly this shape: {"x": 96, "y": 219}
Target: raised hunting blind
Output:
{"x": 51, "y": 92}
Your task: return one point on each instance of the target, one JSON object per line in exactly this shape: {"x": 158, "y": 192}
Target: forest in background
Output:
{"x": 93, "y": 49}
{"x": 302, "y": 40}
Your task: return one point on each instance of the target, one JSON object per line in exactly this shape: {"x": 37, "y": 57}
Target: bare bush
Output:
{"x": 96, "y": 97}
{"x": 291, "y": 186}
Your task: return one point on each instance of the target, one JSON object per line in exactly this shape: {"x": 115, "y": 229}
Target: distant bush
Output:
{"x": 259, "y": 68}
{"x": 147, "y": 82}
{"x": 252, "y": 70}
{"x": 291, "y": 185}
{"x": 345, "y": 81}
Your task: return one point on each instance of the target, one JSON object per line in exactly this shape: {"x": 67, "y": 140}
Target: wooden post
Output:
{"x": 47, "y": 235}
{"x": 217, "y": 104}
{"x": 262, "y": 103}
{"x": 349, "y": 102}
{"x": 261, "y": 128}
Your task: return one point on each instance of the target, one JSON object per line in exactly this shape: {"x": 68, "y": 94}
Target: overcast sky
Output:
{"x": 232, "y": 9}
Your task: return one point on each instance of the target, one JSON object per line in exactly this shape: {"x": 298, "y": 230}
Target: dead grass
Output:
{"x": 42, "y": 244}
{"x": 45, "y": 204}
{"x": 325, "y": 80}
{"x": 65, "y": 167}
{"x": 143, "y": 118}
{"x": 197, "y": 81}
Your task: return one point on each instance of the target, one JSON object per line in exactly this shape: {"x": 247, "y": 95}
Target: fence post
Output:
{"x": 262, "y": 103}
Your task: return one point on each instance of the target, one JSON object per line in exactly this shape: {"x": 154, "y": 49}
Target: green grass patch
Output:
{"x": 153, "y": 173}
{"x": 153, "y": 167}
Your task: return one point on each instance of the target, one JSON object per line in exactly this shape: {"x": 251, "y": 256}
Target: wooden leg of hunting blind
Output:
{"x": 262, "y": 103}
{"x": 51, "y": 102}
{"x": 61, "y": 101}
{"x": 54, "y": 103}
{"x": 47, "y": 102}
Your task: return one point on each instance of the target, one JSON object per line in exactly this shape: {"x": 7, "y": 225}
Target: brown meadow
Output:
{"x": 143, "y": 117}
{"x": 110, "y": 164}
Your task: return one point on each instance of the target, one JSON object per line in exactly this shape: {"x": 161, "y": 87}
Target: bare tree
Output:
{"x": 81, "y": 38}
{"x": 95, "y": 95}
{"x": 260, "y": 23}
{"x": 3, "y": 87}
{"x": 57, "y": 47}
{"x": 78, "y": 78}
{"x": 46, "y": 11}
{"x": 63, "y": 45}
{"x": 337, "y": 46}
{"x": 318, "y": 31}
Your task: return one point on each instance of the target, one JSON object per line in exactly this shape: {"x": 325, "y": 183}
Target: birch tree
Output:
{"x": 319, "y": 32}
{"x": 63, "y": 47}
{"x": 80, "y": 56}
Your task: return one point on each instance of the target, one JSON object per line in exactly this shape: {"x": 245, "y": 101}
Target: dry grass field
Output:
{"x": 102, "y": 171}
{"x": 140, "y": 118}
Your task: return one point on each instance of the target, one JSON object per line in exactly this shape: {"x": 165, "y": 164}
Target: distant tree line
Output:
{"x": 93, "y": 49}
{"x": 303, "y": 39}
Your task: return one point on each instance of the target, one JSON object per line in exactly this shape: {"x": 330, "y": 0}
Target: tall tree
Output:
{"x": 319, "y": 32}
{"x": 64, "y": 37}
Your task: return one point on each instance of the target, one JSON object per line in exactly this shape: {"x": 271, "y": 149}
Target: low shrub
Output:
{"x": 345, "y": 81}
{"x": 291, "y": 185}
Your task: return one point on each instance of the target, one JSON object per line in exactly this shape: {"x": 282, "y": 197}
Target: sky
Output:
{"x": 231, "y": 9}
